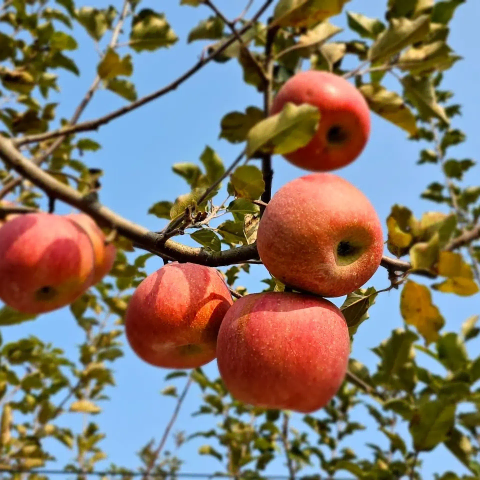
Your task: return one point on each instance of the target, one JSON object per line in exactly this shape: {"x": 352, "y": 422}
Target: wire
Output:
{"x": 155, "y": 475}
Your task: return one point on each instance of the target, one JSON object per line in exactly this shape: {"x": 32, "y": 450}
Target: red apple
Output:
{"x": 104, "y": 253}
{"x": 283, "y": 351}
{"x": 46, "y": 262}
{"x": 173, "y": 317}
{"x": 320, "y": 234}
{"x": 344, "y": 125}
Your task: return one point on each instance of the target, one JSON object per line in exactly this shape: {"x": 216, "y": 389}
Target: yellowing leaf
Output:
{"x": 460, "y": 279}
{"x": 305, "y": 13}
{"x": 6, "y": 425}
{"x": 365, "y": 26}
{"x": 424, "y": 255}
{"x": 150, "y": 30}
{"x": 319, "y": 34}
{"x": 402, "y": 227}
{"x": 84, "y": 406}
{"x": 112, "y": 65}
{"x": 427, "y": 58}
{"x": 418, "y": 310}
{"x": 285, "y": 132}
{"x": 400, "y": 34}
{"x": 390, "y": 106}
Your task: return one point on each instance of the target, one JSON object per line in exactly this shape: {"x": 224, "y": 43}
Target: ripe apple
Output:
{"x": 104, "y": 253}
{"x": 344, "y": 125}
{"x": 173, "y": 317}
{"x": 283, "y": 351}
{"x": 320, "y": 234}
{"x": 46, "y": 262}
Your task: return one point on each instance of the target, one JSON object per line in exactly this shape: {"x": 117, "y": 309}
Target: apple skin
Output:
{"x": 344, "y": 126}
{"x": 104, "y": 253}
{"x": 320, "y": 234}
{"x": 283, "y": 351}
{"x": 46, "y": 262}
{"x": 173, "y": 317}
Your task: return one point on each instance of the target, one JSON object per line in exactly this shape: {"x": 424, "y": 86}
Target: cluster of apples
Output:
{"x": 47, "y": 261}
{"x": 319, "y": 235}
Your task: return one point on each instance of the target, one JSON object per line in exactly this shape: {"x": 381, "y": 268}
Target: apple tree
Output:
{"x": 422, "y": 394}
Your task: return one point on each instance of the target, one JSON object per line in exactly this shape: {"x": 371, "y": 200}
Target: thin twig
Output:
{"x": 286, "y": 446}
{"x": 95, "y": 124}
{"x": 158, "y": 450}
{"x": 358, "y": 382}
{"x": 244, "y": 12}
{"x": 231, "y": 26}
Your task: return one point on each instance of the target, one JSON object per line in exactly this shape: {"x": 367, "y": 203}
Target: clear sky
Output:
{"x": 138, "y": 151}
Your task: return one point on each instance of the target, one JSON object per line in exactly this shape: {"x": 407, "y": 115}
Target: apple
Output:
{"x": 344, "y": 126}
{"x": 173, "y": 317}
{"x": 283, "y": 351}
{"x": 320, "y": 234}
{"x": 46, "y": 262}
{"x": 104, "y": 253}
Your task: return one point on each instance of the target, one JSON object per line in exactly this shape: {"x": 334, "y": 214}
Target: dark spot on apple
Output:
{"x": 46, "y": 293}
{"x": 347, "y": 253}
{"x": 337, "y": 135}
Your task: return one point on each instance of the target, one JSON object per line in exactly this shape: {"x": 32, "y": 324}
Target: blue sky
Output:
{"x": 138, "y": 151}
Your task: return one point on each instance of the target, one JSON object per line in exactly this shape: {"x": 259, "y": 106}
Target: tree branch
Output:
{"x": 140, "y": 236}
{"x": 168, "y": 428}
{"x": 231, "y": 26}
{"x": 95, "y": 124}
{"x": 286, "y": 446}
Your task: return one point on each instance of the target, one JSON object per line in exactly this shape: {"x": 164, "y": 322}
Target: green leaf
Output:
{"x": 356, "y": 305}
{"x": 96, "y": 21}
{"x": 161, "y": 209}
{"x": 232, "y": 232}
{"x": 192, "y": 3}
{"x": 248, "y": 182}
{"x": 456, "y": 168}
{"x": 209, "y": 29}
{"x": 443, "y": 11}
{"x": 305, "y": 13}
{"x": 112, "y": 65}
{"x": 329, "y": 55}
{"x": 213, "y": 165}
{"x": 317, "y": 35}
{"x": 452, "y": 352}
{"x": 9, "y": 316}
{"x": 284, "y": 132}
{"x": 189, "y": 171}
{"x": 431, "y": 423}
{"x": 188, "y": 200}
{"x": 208, "y": 239}
{"x": 236, "y": 125}
{"x": 408, "y": 8}
{"x": 421, "y": 92}
{"x": 241, "y": 207}
{"x": 88, "y": 145}
{"x": 62, "y": 61}
{"x": 62, "y": 41}
{"x": 417, "y": 309}
{"x": 366, "y": 27}
{"x": 400, "y": 34}
{"x": 390, "y": 106}
{"x": 170, "y": 391}
{"x": 209, "y": 450}
{"x": 84, "y": 406}
{"x": 150, "y": 31}
{"x": 459, "y": 444}
{"x": 123, "y": 87}
{"x": 176, "y": 374}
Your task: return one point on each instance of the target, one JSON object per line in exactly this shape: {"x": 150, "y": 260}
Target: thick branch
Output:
{"x": 95, "y": 124}
{"x": 466, "y": 238}
{"x": 140, "y": 236}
